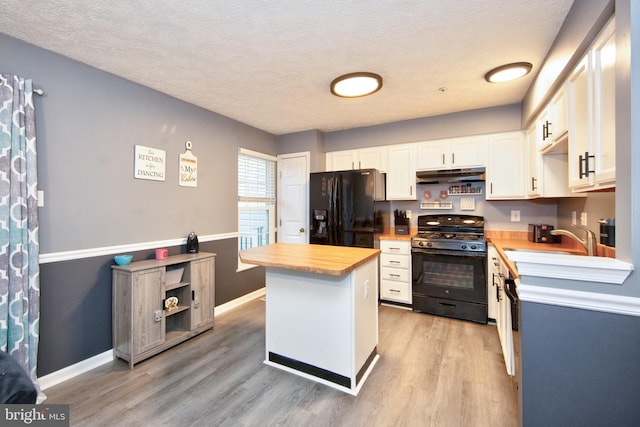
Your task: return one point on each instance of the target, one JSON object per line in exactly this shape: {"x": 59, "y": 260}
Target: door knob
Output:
{"x": 302, "y": 229}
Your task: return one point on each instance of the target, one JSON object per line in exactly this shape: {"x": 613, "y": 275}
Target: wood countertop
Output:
{"x": 320, "y": 259}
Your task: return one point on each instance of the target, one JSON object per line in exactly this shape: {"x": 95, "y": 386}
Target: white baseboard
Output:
{"x": 83, "y": 366}
{"x": 223, "y": 308}
{"x": 76, "y": 369}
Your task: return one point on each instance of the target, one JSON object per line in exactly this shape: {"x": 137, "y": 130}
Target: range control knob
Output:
{"x": 463, "y": 246}
{"x": 429, "y": 244}
{"x": 474, "y": 247}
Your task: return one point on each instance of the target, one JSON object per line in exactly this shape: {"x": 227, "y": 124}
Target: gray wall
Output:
{"x": 311, "y": 141}
{"x": 477, "y": 122}
{"x": 88, "y": 123}
{"x": 579, "y": 367}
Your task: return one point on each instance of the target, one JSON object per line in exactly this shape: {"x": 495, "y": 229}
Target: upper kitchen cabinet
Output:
{"x": 553, "y": 122}
{"x": 364, "y": 158}
{"x": 401, "y": 173}
{"x": 454, "y": 153}
{"x": 591, "y": 95}
{"x": 534, "y": 163}
{"x": 506, "y": 166}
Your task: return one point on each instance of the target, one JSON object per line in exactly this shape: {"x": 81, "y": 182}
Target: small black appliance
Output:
{"x": 192, "y": 243}
{"x": 608, "y": 232}
{"x": 541, "y": 233}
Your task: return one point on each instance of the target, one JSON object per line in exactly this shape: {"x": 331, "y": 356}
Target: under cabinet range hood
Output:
{"x": 450, "y": 175}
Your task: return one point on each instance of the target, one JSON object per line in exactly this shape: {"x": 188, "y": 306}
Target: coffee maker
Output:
{"x": 192, "y": 243}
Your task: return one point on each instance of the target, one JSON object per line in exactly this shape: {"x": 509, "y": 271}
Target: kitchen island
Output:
{"x": 321, "y": 311}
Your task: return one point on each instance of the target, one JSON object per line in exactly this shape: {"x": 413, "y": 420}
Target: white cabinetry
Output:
{"x": 500, "y": 306}
{"x": 401, "y": 172}
{"x": 506, "y": 166}
{"x": 395, "y": 271}
{"x": 454, "y": 153}
{"x": 591, "y": 94}
{"x": 365, "y": 158}
{"x": 534, "y": 163}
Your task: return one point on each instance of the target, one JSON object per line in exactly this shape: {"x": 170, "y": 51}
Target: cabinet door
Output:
{"x": 203, "y": 289}
{"x": 580, "y": 103}
{"x": 534, "y": 174}
{"x": 373, "y": 158}
{"x": 147, "y": 290}
{"x": 604, "y": 80}
{"x": 559, "y": 115}
{"x": 434, "y": 155}
{"x": 401, "y": 175}
{"x": 341, "y": 160}
{"x": 468, "y": 152}
{"x": 492, "y": 281}
{"x": 506, "y": 168}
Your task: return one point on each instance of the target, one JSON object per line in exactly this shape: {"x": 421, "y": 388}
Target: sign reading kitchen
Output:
{"x": 149, "y": 163}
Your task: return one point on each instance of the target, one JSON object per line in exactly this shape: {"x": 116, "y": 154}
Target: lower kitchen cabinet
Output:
{"x": 395, "y": 271}
{"x": 160, "y": 303}
{"x": 499, "y": 305}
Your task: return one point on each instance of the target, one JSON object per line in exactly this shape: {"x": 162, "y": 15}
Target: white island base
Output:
{"x": 323, "y": 327}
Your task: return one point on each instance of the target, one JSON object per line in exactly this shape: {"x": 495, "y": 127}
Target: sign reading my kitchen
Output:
{"x": 188, "y": 173}
{"x": 149, "y": 163}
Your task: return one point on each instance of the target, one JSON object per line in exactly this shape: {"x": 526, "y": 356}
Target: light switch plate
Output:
{"x": 574, "y": 218}
{"x": 515, "y": 216}
{"x": 583, "y": 219}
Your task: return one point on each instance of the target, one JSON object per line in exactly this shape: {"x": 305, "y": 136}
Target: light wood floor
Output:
{"x": 433, "y": 371}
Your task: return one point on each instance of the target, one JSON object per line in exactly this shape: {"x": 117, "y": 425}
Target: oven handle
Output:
{"x": 435, "y": 252}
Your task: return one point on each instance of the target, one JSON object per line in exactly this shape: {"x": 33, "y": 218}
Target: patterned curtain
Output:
{"x": 19, "y": 243}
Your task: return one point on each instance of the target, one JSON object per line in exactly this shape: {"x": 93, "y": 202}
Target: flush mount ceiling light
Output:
{"x": 353, "y": 85}
{"x": 508, "y": 72}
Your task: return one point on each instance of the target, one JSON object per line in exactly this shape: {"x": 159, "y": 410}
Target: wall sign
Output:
{"x": 149, "y": 163}
{"x": 188, "y": 168}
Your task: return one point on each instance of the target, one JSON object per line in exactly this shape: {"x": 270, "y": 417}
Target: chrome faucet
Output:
{"x": 589, "y": 243}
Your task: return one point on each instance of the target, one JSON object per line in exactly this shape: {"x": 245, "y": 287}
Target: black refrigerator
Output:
{"x": 346, "y": 207}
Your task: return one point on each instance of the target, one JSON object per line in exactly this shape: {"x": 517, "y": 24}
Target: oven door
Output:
{"x": 454, "y": 275}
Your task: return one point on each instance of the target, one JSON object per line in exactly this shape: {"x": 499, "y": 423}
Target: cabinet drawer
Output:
{"x": 393, "y": 260}
{"x": 395, "y": 291}
{"x": 395, "y": 247}
{"x": 395, "y": 274}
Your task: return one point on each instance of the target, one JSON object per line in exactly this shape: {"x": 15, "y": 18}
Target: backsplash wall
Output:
{"x": 497, "y": 213}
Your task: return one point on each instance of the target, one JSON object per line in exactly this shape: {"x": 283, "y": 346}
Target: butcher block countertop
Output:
{"x": 320, "y": 259}
{"x": 501, "y": 244}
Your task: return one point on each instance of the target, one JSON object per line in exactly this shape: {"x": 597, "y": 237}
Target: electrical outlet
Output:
{"x": 583, "y": 219}
{"x": 515, "y": 216}
{"x": 574, "y": 218}
{"x": 366, "y": 288}
{"x": 157, "y": 315}
{"x": 409, "y": 215}
{"x": 40, "y": 198}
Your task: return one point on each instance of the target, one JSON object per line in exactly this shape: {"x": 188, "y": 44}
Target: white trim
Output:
{"x": 571, "y": 267}
{"x": 616, "y": 304}
{"x": 252, "y": 153}
{"x": 98, "y": 360}
{"x": 228, "y": 306}
{"x": 110, "y": 250}
{"x": 74, "y": 370}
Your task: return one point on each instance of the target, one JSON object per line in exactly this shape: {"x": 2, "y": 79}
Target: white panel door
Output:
{"x": 293, "y": 197}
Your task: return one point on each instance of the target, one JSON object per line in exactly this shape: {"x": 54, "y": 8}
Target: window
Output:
{"x": 256, "y": 200}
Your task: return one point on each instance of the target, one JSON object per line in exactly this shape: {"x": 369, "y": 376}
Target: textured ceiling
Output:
{"x": 269, "y": 63}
